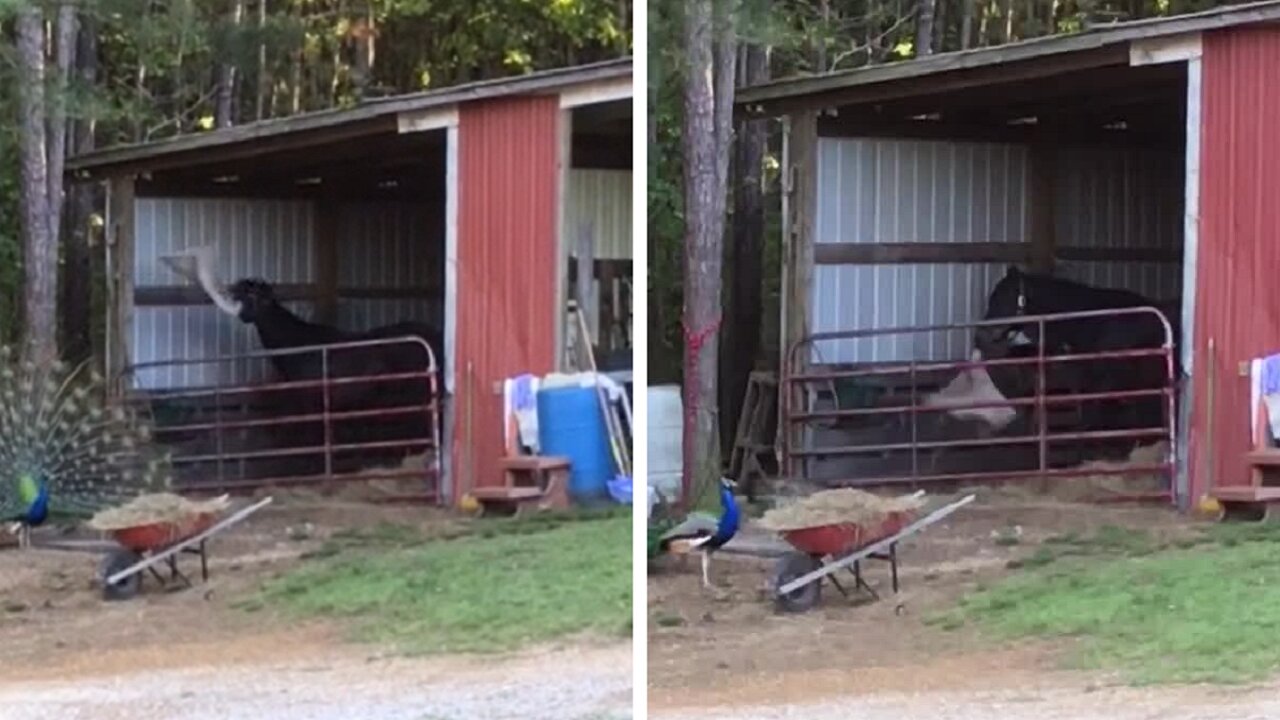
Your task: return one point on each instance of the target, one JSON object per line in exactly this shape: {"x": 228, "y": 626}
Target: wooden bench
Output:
{"x": 528, "y": 481}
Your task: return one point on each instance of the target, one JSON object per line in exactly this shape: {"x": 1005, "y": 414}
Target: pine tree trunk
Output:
{"x": 40, "y": 259}
{"x": 708, "y": 128}
{"x": 224, "y": 109}
{"x": 924, "y": 28}
{"x": 744, "y": 256}
{"x": 966, "y": 23}
{"x": 264, "y": 78}
{"x": 77, "y": 276}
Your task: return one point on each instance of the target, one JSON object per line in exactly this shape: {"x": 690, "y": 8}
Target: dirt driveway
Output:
{"x": 731, "y": 654}
{"x": 191, "y": 655}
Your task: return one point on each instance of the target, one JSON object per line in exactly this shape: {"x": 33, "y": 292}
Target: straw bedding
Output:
{"x": 834, "y": 507}
{"x": 155, "y": 508}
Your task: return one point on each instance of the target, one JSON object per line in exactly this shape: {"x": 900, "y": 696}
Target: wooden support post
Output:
{"x": 120, "y": 252}
{"x": 1041, "y": 222}
{"x": 801, "y": 177}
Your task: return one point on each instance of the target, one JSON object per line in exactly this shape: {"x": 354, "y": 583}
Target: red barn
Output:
{"x": 462, "y": 207}
{"x": 1135, "y": 155}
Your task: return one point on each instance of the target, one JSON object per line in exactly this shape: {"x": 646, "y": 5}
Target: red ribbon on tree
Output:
{"x": 693, "y": 342}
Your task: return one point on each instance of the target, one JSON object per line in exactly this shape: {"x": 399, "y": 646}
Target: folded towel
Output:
{"x": 519, "y": 400}
{"x": 1265, "y": 393}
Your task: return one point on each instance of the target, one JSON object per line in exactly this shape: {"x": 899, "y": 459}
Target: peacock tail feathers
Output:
{"x": 58, "y": 434}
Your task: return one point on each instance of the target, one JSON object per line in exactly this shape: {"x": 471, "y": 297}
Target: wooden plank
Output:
{"x": 188, "y": 295}
{"x": 898, "y": 253}
{"x": 1176, "y": 48}
{"x": 980, "y": 252}
{"x": 120, "y": 250}
{"x": 600, "y": 91}
{"x": 564, "y": 156}
{"x": 1040, "y": 208}
{"x": 451, "y": 276}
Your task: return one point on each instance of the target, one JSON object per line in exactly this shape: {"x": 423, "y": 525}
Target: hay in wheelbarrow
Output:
{"x": 842, "y": 506}
{"x": 154, "y": 509}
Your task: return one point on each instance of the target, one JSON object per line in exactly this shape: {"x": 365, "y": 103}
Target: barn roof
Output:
{"x": 1096, "y": 46}
{"x": 372, "y": 116}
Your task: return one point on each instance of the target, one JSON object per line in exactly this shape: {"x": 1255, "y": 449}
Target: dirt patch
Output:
{"x": 52, "y": 611}
{"x": 708, "y": 648}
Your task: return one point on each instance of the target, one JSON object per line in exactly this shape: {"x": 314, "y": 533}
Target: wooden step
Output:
{"x": 1267, "y": 457}
{"x": 506, "y": 493}
{"x": 534, "y": 462}
{"x": 1246, "y": 493}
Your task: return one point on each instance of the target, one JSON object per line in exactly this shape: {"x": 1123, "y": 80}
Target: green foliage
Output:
{"x": 160, "y": 62}
{"x": 527, "y": 583}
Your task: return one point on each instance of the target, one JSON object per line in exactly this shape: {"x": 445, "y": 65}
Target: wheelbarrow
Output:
{"x": 144, "y": 547}
{"x": 821, "y": 551}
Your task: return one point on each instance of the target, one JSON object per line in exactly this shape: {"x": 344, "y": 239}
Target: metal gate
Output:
{"x": 230, "y": 437}
{"x": 917, "y": 434}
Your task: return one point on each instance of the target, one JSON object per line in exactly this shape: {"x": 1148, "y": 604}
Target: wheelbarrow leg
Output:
{"x": 860, "y": 583}
{"x": 893, "y": 566}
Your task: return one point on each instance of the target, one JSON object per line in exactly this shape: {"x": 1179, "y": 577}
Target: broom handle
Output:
{"x": 600, "y": 394}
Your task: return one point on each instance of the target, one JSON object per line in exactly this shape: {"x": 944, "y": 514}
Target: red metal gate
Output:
{"x": 251, "y": 435}
{"x": 800, "y": 417}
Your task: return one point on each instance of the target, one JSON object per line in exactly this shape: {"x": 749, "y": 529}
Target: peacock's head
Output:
{"x": 253, "y": 296}
{"x": 28, "y": 488}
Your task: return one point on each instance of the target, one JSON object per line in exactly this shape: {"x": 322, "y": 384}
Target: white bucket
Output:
{"x": 666, "y": 439}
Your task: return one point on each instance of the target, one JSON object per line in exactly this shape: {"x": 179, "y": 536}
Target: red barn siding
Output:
{"x": 1239, "y": 242}
{"x": 508, "y": 178}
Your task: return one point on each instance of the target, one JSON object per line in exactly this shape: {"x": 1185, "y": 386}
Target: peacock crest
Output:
{"x": 63, "y": 449}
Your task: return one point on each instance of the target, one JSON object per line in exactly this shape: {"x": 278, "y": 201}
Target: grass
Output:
{"x": 1200, "y": 609}
{"x": 492, "y": 586}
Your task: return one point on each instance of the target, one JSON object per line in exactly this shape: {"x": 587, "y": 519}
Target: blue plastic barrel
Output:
{"x": 570, "y": 425}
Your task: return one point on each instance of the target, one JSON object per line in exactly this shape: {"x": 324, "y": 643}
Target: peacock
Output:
{"x": 699, "y": 532}
{"x": 64, "y": 454}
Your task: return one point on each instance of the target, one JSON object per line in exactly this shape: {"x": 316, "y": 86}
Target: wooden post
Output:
{"x": 798, "y": 254}
{"x": 1041, "y": 223}
{"x": 120, "y": 250}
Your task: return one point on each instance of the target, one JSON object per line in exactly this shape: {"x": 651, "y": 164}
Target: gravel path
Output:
{"x": 576, "y": 684}
{"x": 1051, "y": 704}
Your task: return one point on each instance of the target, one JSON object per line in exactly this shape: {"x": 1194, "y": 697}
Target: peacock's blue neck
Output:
{"x": 38, "y": 511}
{"x": 728, "y": 525}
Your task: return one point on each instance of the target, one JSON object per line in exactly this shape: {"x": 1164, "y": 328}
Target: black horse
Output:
{"x": 1020, "y": 294}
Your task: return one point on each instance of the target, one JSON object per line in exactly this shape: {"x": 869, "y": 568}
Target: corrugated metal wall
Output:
{"x": 1105, "y": 198}
{"x": 381, "y": 245}
{"x": 391, "y": 245}
{"x": 874, "y": 190}
{"x": 507, "y": 260}
{"x": 894, "y": 191}
{"x": 1239, "y": 243}
{"x": 601, "y": 199}
{"x": 264, "y": 238}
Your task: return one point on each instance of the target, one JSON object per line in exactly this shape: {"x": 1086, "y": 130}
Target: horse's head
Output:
{"x": 1007, "y": 299}
{"x": 253, "y": 296}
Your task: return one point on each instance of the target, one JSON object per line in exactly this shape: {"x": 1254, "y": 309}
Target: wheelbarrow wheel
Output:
{"x": 789, "y": 567}
{"x": 115, "y": 562}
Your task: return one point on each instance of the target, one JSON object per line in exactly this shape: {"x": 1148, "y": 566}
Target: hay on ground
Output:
{"x": 839, "y": 506}
{"x": 155, "y": 508}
